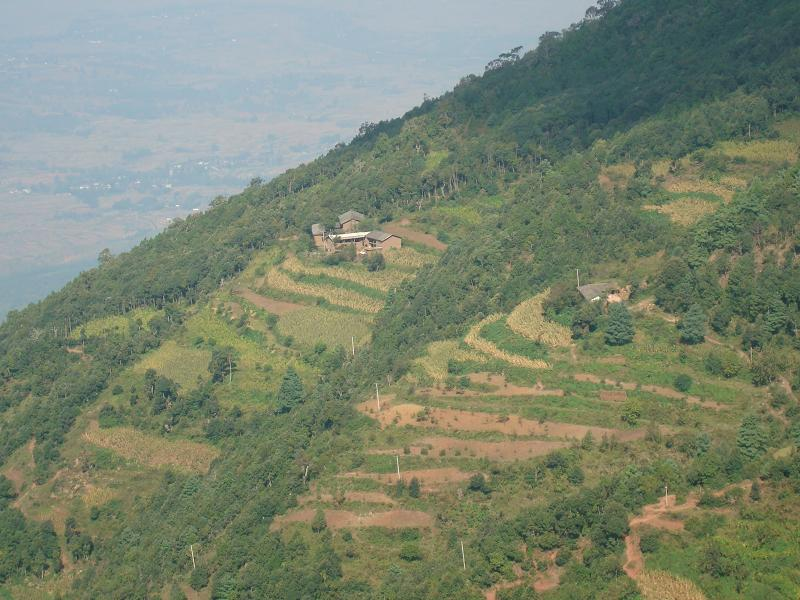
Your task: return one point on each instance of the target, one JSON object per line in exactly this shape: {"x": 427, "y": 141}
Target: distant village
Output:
{"x": 348, "y": 234}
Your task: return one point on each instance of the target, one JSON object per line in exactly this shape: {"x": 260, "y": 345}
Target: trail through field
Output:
{"x": 339, "y": 519}
{"x": 658, "y": 515}
{"x": 415, "y": 236}
{"x": 653, "y": 389}
{"x": 277, "y": 307}
{"x": 461, "y": 420}
{"x": 500, "y": 451}
{"x": 429, "y": 479}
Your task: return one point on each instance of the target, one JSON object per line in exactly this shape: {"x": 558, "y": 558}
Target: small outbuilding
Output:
{"x": 382, "y": 240}
{"x": 349, "y": 221}
{"x": 594, "y": 292}
{"x": 318, "y": 233}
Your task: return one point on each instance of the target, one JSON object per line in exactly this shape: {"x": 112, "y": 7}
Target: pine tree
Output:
{"x": 620, "y": 325}
{"x": 414, "y": 488}
{"x": 319, "y": 523}
{"x": 751, "y": 439}
{"x": 291, "y": 392}
{"x": 693, "y": 325}
{"x": 755, "y": 490}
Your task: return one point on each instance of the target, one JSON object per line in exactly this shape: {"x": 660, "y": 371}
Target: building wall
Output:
{"x": 318, "y": 241}
{"x": 350, "y": 226}
{"x": 392, "y": 242}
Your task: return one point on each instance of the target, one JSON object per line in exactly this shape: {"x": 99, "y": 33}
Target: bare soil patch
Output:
{"x": 277, "y": 307}
{"x": 425, "y": 239}
{"x": 500, "y": 451}
{"x": 613, "y": 395}
{"x": 461, "y": 420}
{"x": 340, "y": 519}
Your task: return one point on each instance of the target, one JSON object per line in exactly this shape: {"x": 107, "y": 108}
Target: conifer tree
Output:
{"x": 693, "y": 325}
{"x": 291, "y": 392}
{"x": 620, "y": 325}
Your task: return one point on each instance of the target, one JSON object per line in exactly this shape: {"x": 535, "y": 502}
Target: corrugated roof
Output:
{"x": 378, "y": 236}
{"x": 317, "y": 229}
{"x": 351, "y": 215}
{"x": 349, "y": 236}
{"x": 590, "y": 291}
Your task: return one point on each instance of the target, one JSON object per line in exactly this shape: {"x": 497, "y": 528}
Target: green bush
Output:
{"x": 410, "y": 551}
{"x": 199, "y": 578}
{"x": 683, "y": 383}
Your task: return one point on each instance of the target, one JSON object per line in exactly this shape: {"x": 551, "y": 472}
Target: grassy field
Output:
{"x": 114, "y": 325}
{"x": 475, "y": 340}
{"x": 184, "y": 365}
{"x": 356, "y": 273}
{"x": 281, "y": 281}
{"x": 312, "y": 324}
{"x": 439, "y": 355}
{"x": 773, "y": 152}
{"x": 152, "y": 451}
{"x": 684, "y": 211}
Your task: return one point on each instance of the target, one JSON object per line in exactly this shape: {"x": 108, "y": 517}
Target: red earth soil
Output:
{"x": 278, "y": 307}
{"x": 415, "y": 236}
{"x": 653, "y": 389}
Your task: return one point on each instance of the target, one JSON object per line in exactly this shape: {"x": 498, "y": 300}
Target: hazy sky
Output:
{"x": 116, "y": 117}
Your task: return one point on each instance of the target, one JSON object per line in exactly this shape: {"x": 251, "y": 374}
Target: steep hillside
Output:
{"x": 228, "y": 412}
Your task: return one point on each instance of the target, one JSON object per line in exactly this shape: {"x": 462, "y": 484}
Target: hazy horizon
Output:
{"x": 118, "y": 118}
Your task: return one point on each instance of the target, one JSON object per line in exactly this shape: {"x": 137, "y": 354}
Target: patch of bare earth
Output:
{"x": 462, "y": 420}
{"x": 653, "y": 389}
{"x": 345, "y": 519}
{"x": 277, "y": 307}
{"x": 500, "y": 451}
{"x": 413, "y": 235}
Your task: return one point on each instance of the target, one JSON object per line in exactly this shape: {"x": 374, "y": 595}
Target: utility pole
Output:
{"x": 463, "y": 557}
{"x": 397, "y": 458}
{"x": 578, "y": 275}
{"x": 666, "y": 497}
{"x": 378, "y": 396}
{"x": 191, "y": 549}
{"x": 353, "y": 344}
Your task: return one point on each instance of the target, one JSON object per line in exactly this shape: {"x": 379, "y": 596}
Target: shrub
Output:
{"x": 619, "y": 330}
{"x": 693, "y": 325}
{"x": 683, "y": 383}
{"x": 649, "y": 541}
{"x": 199, "y": 578}
{"x": 410, "y": 552}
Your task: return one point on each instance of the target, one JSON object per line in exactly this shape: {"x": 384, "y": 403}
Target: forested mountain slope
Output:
{"x": 224, "y": 412}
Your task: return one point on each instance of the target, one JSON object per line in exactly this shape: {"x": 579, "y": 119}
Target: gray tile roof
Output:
{"x": 351, "y": 215}
{"x": 591, "y": 291}
{"x": 317, "y": 229}
{"x": 378, "y": 236}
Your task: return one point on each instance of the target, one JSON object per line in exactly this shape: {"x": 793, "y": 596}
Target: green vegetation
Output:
{"x": 152, "y": 409}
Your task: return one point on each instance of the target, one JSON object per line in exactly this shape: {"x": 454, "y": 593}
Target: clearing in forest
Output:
{"x": 437, "y": 360}
{"x": 413, "y": 235}
{"x": 428, "y": 478}
{"x": 661, "y": 585}
{"x": 183, "y": 365}
{"x": 151, "y": 450}
{"x": 684, "y": 211}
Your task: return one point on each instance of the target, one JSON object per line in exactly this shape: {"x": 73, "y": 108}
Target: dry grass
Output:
{"x": 440, "y": 353}
{"x": 661, "y": 168}
{"x": 279, "y": 280}
{"x": 700, "y": 186}
{"x": 151, "y": 450}
{"x": 313, "y": 324}
{"x": 97, "y": 495}
{"x": 408, "y": 257}
{"x": 114, "y": 325}
{"x": 180, "y": 364}
{"x": 762, "y": 151}
{"x": 616, "y": 176}
{"x": 527, "y": 319}
{"x": 684, "y": 211}
{"x": 474, "y": 339}
{"x": 380, "y": 280}
{"x": 660, "y": 585}
{"x": 789, "y": 129}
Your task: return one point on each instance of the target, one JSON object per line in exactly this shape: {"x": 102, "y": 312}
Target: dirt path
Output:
{"x": 278, "y": 307}
{"x": 653, "y": 389}
{"x": 658, "y": 515}
{"x": 415, "y": 236}
{"x": 339, "y": 519}
{"x": 461, "y": 420}
{"x": 500, "y": 451}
